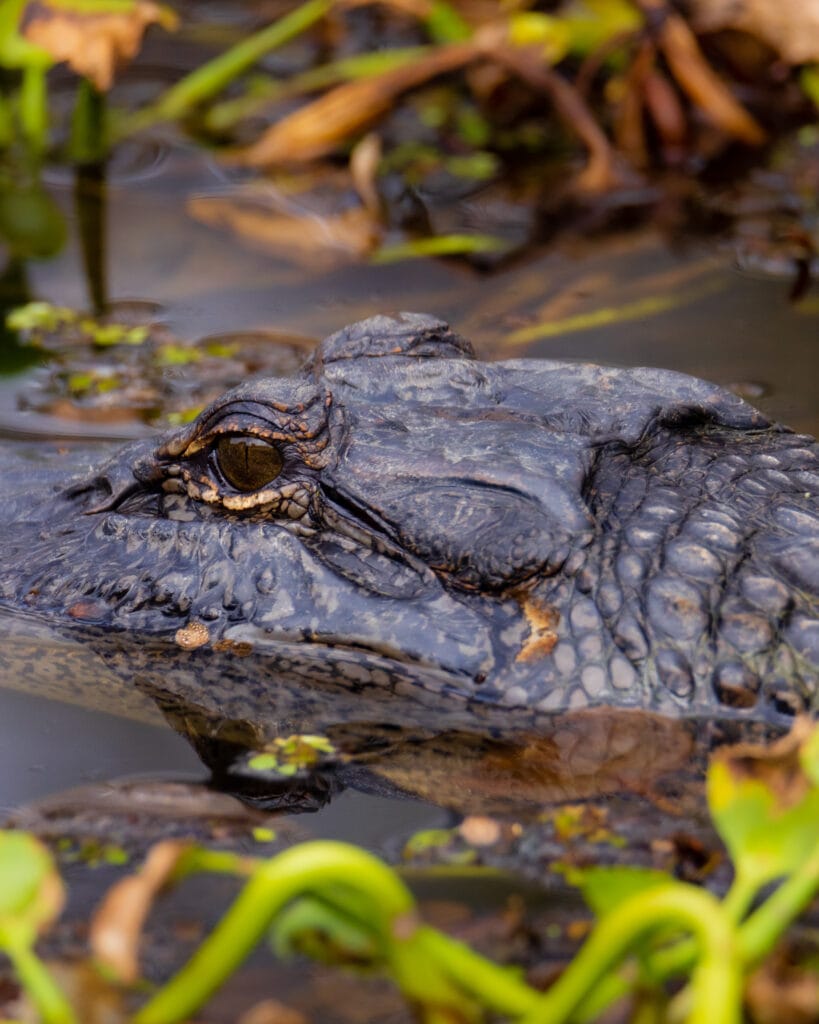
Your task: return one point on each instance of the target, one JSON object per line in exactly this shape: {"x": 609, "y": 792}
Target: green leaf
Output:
{"x": 765, "y": 808}
{"x": 261, "y": 834}
{"x": 445, "y": 24}
{"x": 311, "y": 927}
{"x": 31, "y": 222}
{"x": 440, "y": 245}
{"x": 105, "y": 335}
{"x": 605, "y": 888}
{"x": 177, "y": 355}
{"x": 263, "y": 763}
{"x": 428, "y": 839}
{"x": 809, "y": 80}
{"x": 184, "y": 416}
{"x": 39, "y": 316}
{"x": 24, "y": 867}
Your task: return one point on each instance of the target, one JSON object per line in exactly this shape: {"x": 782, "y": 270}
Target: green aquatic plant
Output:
{"x": 287, "y": 756}
{"x": 667, "y": 944}
{"x": 31, "y": 896}
{"x": 36, "y": 320}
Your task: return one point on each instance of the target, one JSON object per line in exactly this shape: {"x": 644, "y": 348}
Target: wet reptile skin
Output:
{"x": 526, "y": 535}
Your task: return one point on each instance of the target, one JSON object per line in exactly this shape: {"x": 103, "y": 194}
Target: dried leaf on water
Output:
{"x": 290, "y": 228}
{"x": 699, "y": 81}
{"x": 117, "y": 925}
{"x": 271, "y": 1011}
{"x": 791, "y": 27}
{"x": 782, "y": 991}
{"x": 94, "y": 40}
{"x": 320, "y": 127}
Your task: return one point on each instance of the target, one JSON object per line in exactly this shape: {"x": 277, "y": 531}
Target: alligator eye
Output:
{"x": 247, "y": 463}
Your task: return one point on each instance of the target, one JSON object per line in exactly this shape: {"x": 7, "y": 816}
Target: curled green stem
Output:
{"x": 716, "y": 982}
{"x": 494, "y": 987}
{"x": 52, "y": 1006}
{"x": 275, "y": 884}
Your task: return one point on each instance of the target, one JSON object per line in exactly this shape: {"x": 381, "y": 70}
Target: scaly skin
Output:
{"x": 523, "y": 536}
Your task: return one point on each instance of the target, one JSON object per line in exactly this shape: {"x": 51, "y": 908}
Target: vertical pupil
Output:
{"x": 247, "y": 463}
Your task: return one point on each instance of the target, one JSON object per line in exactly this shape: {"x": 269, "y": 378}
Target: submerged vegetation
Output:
{"x": 558, "y": 101}
{"x": 673, "y": 950}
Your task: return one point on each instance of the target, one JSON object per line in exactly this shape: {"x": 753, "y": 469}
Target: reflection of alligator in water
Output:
{"x": 403, "y": 520}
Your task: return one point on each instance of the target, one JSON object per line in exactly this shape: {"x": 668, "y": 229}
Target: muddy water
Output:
{"x": 631, "y": 299}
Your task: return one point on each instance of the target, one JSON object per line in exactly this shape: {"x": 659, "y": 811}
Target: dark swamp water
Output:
{"x": 643, "y": 295}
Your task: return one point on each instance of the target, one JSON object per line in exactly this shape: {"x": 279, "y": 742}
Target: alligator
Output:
{"x": 405, "y": 524}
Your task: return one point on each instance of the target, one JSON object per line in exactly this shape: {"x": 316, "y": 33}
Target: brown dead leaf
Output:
{"x": 791, "y": 27}
{"x": 601, "y": 172}
{"x": 320, "y": 127}
{"x": 271, "y": 1011}
{"x": 116, "y": 927}
{"x": 364, "y": 160}
{"x": 273, "y": 222}
{"x": 697, "y": 78}
{"x": 783, "y": 991}
{"x": 94, "y": 43}
{"x": 414, "y": 8}
{"x": 777, "y": 765}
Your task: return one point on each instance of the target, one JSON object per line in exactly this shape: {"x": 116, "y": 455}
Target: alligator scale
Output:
{"x": 403, "y": 521}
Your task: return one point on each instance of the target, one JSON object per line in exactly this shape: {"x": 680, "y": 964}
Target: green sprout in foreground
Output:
{"x": 31, "y": 896}
{"x": 338, "y": 903}
{"x": 344, "y": 906}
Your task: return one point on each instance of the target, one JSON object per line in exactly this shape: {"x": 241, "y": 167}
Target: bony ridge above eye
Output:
{"x": 246, "y": 462}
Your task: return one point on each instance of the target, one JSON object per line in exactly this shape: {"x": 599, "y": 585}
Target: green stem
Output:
{"x": 279, "y": 880}
{"x": 34, "y": 107}
{"x": 739, "y": 898}
{"x": 6, "y": 121}
{"x": 716, "y": 980}
{"x": 11, "y": 11}
{"x": 212, "y": 77}
{"x": 217, "y": 862}
{"x": 51, "y": 1004}
{"x": 492, "y": 986}
{"x": 757, "y": 936}
{"x": 223, "y": 116}
{"x": 763, "y": 929}
{"x": 88, "y": 143}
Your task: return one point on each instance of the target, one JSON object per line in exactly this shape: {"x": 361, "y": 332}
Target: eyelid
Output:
{"x": 236, "y": 426}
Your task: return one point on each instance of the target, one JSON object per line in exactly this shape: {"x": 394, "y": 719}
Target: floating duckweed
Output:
{"x": 288, "y": 755}
{"x": 105, "y": 335}
{"x": 183, "y": 416}
{"x": 427, "y": 839}
{"x": 264, "y": 835}
{"x": 177, "y": 355}
{"x": 39, "y": 317}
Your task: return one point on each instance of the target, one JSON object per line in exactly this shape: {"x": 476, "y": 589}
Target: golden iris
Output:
{"x": 247, "y": 463}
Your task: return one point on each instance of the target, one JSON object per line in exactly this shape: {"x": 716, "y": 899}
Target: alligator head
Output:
{"x": 401, "y": 518}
